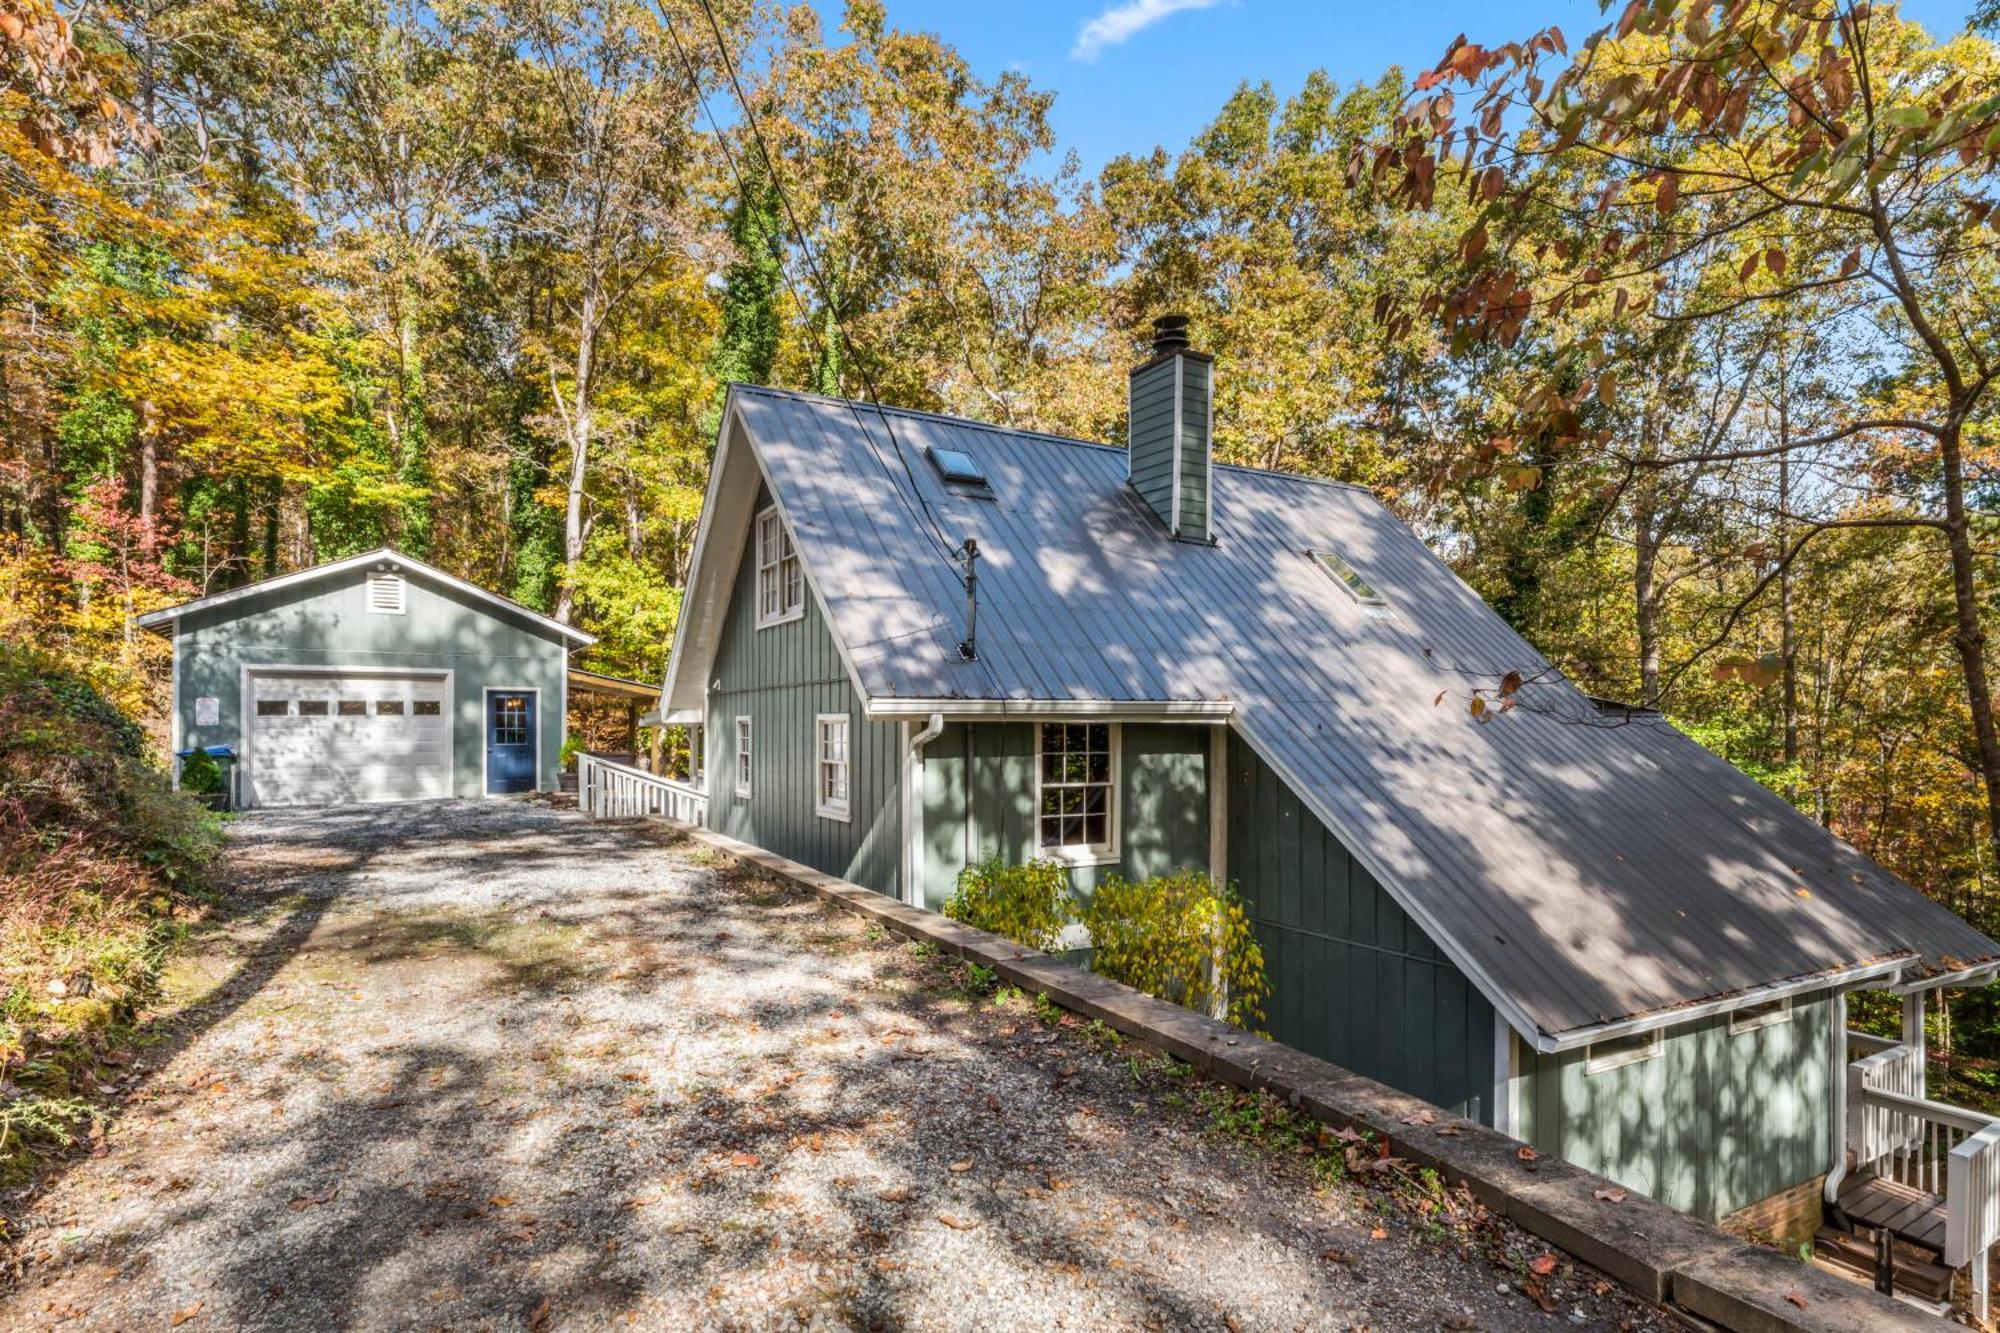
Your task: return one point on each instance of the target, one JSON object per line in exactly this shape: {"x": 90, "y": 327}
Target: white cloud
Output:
{"x": 1122, "y": 22}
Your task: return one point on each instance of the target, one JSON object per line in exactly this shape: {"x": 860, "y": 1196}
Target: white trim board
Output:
{"x": 169, "y": 615}
{"x": 486, "y": 736}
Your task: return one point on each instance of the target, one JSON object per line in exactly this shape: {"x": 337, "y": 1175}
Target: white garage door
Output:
{"x": 329, "y": 739}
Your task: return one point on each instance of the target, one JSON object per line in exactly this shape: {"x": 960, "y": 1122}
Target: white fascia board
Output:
{"x": 698, "y": 564}
{"x": 1842, "y": 980}
{"x": 171, "y": 614}
{"x": 1977, "y": 975}
{"x": 1111, "y": 710}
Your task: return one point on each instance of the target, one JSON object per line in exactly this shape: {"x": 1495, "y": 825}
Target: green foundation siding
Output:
{"x": 325, "y": 624}
{"x": 782, "y": 677}
{"x": 979, "y": 802}
{"x": 1711, "y": 1124}
{"x": 1354, "y": 980}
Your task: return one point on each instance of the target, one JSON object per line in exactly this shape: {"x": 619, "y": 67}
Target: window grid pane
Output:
{"x": 1076, "y": 771}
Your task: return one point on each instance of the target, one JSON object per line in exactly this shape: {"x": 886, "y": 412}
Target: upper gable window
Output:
{"x": 1349, "y": 578}
{"x": 385, "y": 593}
{"x": 781, "y": 582}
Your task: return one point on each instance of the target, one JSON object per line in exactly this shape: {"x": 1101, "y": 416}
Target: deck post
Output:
{"x": 1982, "y": 1281}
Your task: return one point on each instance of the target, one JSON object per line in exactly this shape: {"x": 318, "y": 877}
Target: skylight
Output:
{"x": 1348, "y": 577}
{"x": 957, "y": 467}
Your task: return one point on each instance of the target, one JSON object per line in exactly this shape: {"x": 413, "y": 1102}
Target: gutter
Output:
{"x": 1846, "y": 978}
{"x": 1199, "y": 710}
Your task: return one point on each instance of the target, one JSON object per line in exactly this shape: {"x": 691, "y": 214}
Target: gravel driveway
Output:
{"x": 485, "y": 1065}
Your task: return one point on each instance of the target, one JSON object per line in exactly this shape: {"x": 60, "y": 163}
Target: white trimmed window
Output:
{"x": 1754, "y": 1016}
{"x": 742, "y": 756}
{"x": 1076, "y": 791}
{"x": 385, "y": 593}
{"x": 830, "y": 766}
{"x": 1601, "y": 1057}
{"x": 781, "y": 582}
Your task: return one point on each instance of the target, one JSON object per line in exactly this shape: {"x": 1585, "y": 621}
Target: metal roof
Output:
{"x": 165, "y": 617}
{"x": 1582, "y": 867}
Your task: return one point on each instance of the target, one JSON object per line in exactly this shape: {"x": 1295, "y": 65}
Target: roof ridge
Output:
{"x": 1049, "y": 437}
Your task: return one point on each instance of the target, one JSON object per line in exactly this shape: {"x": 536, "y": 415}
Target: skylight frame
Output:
{"x": 971, "y": 474}
{"x": 1349, "y": 579}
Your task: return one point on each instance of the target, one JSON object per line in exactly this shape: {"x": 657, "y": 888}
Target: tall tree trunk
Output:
{"x": 1645, "y": 592}
{"x": 579, "y": 453}
{"x": 413, "y": 464}
{"x": 1970, "y": 637}
{"x": 1788, "y": 637}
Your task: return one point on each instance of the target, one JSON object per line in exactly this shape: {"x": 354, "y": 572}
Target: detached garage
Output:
{"x": 375, "y": 678}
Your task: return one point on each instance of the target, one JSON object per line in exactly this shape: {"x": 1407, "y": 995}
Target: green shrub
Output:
{"x": 201, "y": 774}
{"x": 1029, "y": 904}
{"x": 1182, "y": 937}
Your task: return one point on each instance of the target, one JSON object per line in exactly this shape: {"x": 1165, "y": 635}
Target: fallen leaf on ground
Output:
{"x": 897, "y": 1195}
{"x": 1526, "y": 1154}
{"x": 538, "y": 1318}
{"x": 305, "y": 1201}
{"x": 502, "y": 1201}
{"x": 957, "y": 1223}
{"x": 182, "y": 1316}
{"x": 1542, "y": 1265}
{"x": 744, "y": 1159}
{"x": 1378, "y": 1234}
{"x": 1610, "y": 1195}
{"x": 1796, "y": 1299}
{"x": 1339, "y": 1257}
{"x": 961, "y": 1166}
{"x": 1424, "y": 1117}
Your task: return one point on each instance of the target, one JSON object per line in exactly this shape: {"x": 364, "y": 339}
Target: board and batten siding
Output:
{"x": 979, "y": 802}
{"x": 782, "y": 677}
{"x": 1353, "y": 979}
{"x": 1713, "y": 1123}
{"x": 1158, "y": 452}
{"x": 326, "y": 623}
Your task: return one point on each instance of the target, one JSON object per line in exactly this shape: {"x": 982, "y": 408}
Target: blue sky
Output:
{"x": 1156, "y": 70}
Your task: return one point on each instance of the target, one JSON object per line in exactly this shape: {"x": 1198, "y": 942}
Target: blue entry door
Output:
{"x": 510, "y": 740}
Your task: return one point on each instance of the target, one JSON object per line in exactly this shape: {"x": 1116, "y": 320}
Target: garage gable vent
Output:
{"x": 385, "y": 593}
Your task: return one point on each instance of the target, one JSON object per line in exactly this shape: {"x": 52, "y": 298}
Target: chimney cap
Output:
{"x": 1170, "y": 334}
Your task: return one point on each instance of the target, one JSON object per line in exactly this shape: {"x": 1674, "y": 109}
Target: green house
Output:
{"x": 374, "y": 678}
{"x": 1564, "y": 919}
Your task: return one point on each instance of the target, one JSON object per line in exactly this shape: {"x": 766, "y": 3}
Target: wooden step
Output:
{"x": 1854, "y": 1254}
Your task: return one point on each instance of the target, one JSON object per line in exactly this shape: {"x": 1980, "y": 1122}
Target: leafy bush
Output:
{"x": 99, "y": 863}
{"x": 1029, "y": 904}
{"x": 201, "y": 774}
{"x": 1182, "y": 937}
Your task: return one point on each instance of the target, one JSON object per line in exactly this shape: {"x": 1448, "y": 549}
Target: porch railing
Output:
{"x": 606, "y": 789}
{"x": 1953, "y": 1154}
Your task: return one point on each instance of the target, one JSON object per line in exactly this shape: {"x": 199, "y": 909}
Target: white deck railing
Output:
{"x": 606, "y": 789}
{"x": 1945, "y": 1151}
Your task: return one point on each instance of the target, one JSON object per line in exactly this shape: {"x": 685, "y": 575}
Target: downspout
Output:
{"x": 1836, "y": 1095}
{"x": 913, "y": 808}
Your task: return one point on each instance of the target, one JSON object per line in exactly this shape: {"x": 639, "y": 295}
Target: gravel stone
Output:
{"x": 486, "y": 1065}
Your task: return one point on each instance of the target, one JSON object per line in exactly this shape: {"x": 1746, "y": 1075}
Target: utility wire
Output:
{"x": 927, "y": 520}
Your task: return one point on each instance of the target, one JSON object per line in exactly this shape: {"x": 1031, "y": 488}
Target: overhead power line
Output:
{"x": 956, "y": 554}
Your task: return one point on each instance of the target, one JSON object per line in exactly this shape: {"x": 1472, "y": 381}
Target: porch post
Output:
{"x": 1913, "y": 1037}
